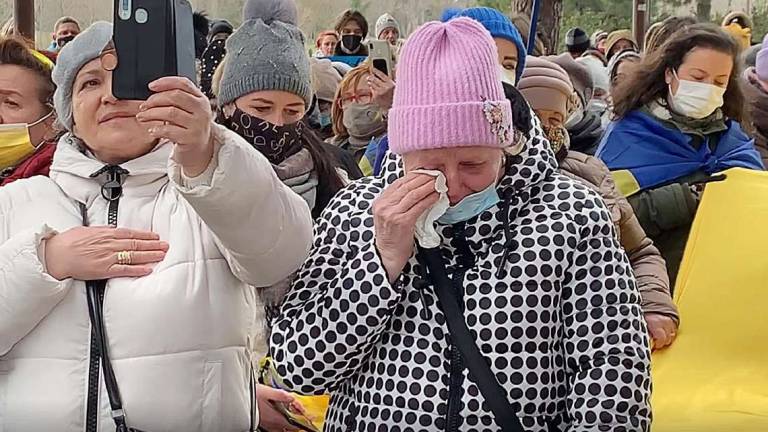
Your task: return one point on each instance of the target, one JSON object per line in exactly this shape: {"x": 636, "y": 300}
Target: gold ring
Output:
{"x": 124, "y": 258}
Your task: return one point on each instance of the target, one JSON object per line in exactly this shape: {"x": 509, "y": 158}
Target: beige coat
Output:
{"x": 647, "y": 263}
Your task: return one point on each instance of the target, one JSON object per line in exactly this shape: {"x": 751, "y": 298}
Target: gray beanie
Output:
{"x": 263, "y": 56}
{"x": 384, "y": 22}
{"x": 87, "y": 46}
{"x": 271, "y": 10}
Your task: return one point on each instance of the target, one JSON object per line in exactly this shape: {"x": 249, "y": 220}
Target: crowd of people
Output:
{"x": 480, "y": 238}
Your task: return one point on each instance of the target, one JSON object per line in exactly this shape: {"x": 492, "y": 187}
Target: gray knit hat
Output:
{"x": 384, "y": 22}
{"x": 271, "y": 10}
{"x": 87, "y": 46}
{"x": 266, "y": 54}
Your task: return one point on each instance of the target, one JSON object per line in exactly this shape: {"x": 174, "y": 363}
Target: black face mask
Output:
{"x": 277, "y": 143}
{"x": 65, "y": 40}
{"x": 351, "y": 42}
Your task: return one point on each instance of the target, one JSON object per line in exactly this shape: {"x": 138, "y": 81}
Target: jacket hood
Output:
{"x": 75, "y": 170}
{"x": 586, "y": 134}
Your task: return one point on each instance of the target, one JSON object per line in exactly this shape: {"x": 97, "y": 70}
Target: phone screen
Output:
{"x": 381, "y": 65}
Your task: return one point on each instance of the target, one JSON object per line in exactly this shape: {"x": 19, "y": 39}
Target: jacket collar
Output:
{"x": 74, "y": 167}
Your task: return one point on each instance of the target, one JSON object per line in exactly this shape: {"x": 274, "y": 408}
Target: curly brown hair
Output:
{"x": 646, "y": 82}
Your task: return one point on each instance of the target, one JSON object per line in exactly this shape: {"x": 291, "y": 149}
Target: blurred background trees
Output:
{"x": 557, "y": 16}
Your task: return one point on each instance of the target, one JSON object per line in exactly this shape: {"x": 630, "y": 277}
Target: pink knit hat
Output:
{"x": 449, "y": 92}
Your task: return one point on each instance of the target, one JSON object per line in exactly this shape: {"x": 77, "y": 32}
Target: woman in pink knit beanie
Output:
{"x": 517, "y": 311}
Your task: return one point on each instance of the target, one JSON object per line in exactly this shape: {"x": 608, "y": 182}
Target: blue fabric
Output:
{"x": 381, "y": 154}
{"x": 657, "y": 154}
{"x": 449, "y": 13}
{"x": 499, "y": 25}
{"x": 352, "y": 61}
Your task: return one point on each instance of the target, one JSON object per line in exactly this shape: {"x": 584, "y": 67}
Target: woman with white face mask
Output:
{"x": 677, "y": 123}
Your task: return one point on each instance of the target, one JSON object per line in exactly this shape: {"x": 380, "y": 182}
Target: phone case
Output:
{"x": 380, "y": 54}
{"x": 153, "y": 39}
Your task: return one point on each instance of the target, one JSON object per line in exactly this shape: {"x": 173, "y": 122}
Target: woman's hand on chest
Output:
{"x": 93, "y": 253}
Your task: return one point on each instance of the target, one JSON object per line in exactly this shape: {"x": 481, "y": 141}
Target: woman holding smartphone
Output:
{"x": 183, "y": 219}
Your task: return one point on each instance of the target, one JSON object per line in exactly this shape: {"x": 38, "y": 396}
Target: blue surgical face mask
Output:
{"x": 324, "y": 119}
{"x": 471, "y": 206}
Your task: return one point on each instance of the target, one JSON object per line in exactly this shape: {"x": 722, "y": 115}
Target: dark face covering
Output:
{"x": 277, "y": 143}
{"x": 351, "y": 43}
{"x": 65, "y": 40}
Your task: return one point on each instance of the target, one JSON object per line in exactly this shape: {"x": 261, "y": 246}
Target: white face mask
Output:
{"x": 507, "y": 76}
{"x": 694, "y": 99}
{"x": 575, "y": 118}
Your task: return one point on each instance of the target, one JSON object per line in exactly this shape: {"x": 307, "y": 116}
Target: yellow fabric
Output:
{"x": 742, "y": 35}
{"x": 365, "y": 166}
{"x": 15, "y": 145}
{"x": 625, "y": 182}
{"x": 715, "y": 376}
{"x": 42, "y": 59}
{"x": 314, "y": 406}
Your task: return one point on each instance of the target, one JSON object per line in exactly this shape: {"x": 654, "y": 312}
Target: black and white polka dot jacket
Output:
{"x": 548, "y": 293}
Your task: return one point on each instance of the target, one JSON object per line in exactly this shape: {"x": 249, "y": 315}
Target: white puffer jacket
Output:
{"x": 179, "y": 337}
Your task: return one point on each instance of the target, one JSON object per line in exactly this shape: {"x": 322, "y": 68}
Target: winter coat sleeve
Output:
{"x": 664, "y": 208}
{"x": 339, "y": 306}
{"x": 27, "y": 293}
{"x": 262, "y": 227}
{"x": 605, "y": 337}
{"x": 646, "y": 260}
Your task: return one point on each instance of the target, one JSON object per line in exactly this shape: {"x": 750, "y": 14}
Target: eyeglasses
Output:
{"x": 358, "y": 98}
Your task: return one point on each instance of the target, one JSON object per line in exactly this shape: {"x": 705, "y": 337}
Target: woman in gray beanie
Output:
{"x": 264, "y": 92}
{"x": 182, "y": 219}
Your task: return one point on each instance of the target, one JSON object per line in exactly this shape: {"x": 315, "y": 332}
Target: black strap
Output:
{"x": 494, "y": 394}
{"x": 95, "y": 294}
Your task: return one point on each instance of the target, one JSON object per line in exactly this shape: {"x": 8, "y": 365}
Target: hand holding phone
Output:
{"x": 180, "y": 113}
{"x": 382, "y": 88}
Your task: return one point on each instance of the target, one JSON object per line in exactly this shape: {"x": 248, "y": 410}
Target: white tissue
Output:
{"x": 426, "y": 234}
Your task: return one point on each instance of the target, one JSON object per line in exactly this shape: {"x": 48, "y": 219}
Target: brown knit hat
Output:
{"x": 545, "y": 85}
{"x": 325, "y": 79}
{"x": 352, "y": 15}
{"x": 578, "y": 74}
{"x": 615, "y": 37}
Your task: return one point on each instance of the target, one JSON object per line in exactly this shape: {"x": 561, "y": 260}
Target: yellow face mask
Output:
{"x": 15, "y": 143}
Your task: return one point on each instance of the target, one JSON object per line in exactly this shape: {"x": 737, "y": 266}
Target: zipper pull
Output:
{"x": 112, "y": 188}
{"x": 421, "y": 285}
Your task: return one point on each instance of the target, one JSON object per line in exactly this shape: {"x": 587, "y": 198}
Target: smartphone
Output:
{"x": 296, "y": 420}
{"x": 153, "y": 39}
{"x": 380, "y": 54}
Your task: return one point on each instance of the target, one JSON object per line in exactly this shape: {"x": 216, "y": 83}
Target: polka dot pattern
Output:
{"x": 552, "y": 302}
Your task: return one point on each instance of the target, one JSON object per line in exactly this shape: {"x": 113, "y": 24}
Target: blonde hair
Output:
{"x": 217, "y": 75}
{"x": 351, "y": 81}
